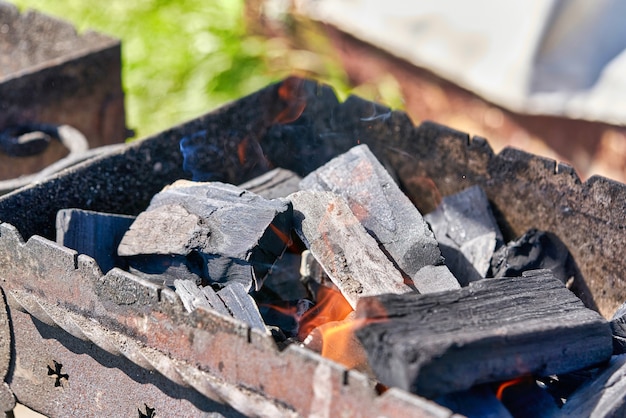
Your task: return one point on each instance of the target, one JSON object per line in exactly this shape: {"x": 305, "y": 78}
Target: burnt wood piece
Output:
{"x": 274, "y": 184}
{"x": 492, "y": 330}
{"x": 466, "y": 228}
{"x": 194, "y": 296}
{"x": 241, "y": 305}
{"x": 229, "y": 233}
{"x": 379, "y": 204}
{"x": 618, "y": 326}
{"x": 93, "y": 233}
{"x": 534, "y": 250}
{"x": 602, "y": 397}
{"x": 348, "y": 254}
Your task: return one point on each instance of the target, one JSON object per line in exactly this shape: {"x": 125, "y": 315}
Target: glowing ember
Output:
{"x": 503, "y": 386}
{"x": 291, "y": 93}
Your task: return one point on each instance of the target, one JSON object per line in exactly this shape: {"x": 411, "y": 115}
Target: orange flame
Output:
{"x": 330, "y": 306}
{"x": 504, "y": 385}
{"x": 291, "y": 93}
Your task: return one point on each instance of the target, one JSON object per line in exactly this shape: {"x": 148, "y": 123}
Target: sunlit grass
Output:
{"x": 180, "y": 58}
{"x": 183, "y": 58}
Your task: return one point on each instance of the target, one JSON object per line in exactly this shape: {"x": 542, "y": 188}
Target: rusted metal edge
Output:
{"x": 217, "y": 356}
{"x": 7, "y": 400}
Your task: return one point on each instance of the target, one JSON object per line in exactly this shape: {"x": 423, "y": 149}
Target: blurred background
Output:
{"x": 545, "y": 76}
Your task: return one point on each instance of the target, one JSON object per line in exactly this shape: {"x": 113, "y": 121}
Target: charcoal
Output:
{"x": 241, "y": 305}
{"x": 194, "y": 296}
{"x": 284, "y": 280}
{"x": 285, "y": 315}
{"x": 465, "y": 225}
{"x": 434, "y": 279}
{"x": 563, "y": 385}
{"x": 476, "y": 402}
{"x": 491, "y": 330}
{"x": 274, "y": 184}
{"x": 618, "y": 326}
{"x": 93, "y": 233}
{"x": 235, "y": 233}
{"x": 348, "y": 254}
{"x": 164, "y": 270}
{"x": 602, "y": 397}
{"x": 526, "y": 399}
{"x": 534, "y": 250}
{"x": 383, "y": 209}
{"x": 312, "y": 273}
{"x": 457, "y": 263}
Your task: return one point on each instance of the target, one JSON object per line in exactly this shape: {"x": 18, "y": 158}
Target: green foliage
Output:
{"x": 181, "y": 58}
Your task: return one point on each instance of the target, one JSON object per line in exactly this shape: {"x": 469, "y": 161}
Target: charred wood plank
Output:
{"x": 96, "y": 234}
{"x": 274, "y": 184}
{"x": 348, "y": 254}
{"x": 227, "y": 230}
{"x": 379, "y": 204}
{"x": 494, "y": 329}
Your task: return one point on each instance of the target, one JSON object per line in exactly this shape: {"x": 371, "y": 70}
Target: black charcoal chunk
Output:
{"x": 284, "y": 279}
{"x": 93, "y": 233}
{"x": 164, "y": 270}
{"x": 602, "y": 397}
{"x": 234, "y": 233}
{"x": 618, "y": 326}
{"x": 492, "y": 330}
{"x": 534, "y": 250}
{"x": 467, "y": 233}
{"x": 477, "y": 402}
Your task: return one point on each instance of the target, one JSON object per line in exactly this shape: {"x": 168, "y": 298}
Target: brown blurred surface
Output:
{"x": 590, "y": 147}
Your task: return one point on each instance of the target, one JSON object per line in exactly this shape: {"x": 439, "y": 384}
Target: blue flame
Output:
{"x": 198, "y": 155}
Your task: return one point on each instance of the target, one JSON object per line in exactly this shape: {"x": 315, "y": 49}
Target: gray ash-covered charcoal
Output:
{"x": 491, "y": 330}
{"x": 348, "y": 254}
{"x": 618, "y": 326}
{"x": 241, "y": 305}
{"x": 534, "y": 250}
{"x": 467, "y": 233}
{"x": 194, "y": 296}
{"x": 434, "y": 279}
{"x": 228, "y": 233}
{"x": 602, "y": 397}
{"x": 96, "y": 234}
{"x": 274, "y": 184}
{"x": 378, "y": 203}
